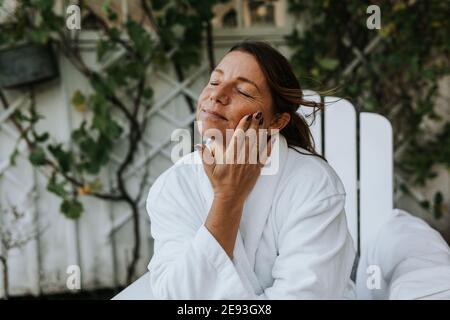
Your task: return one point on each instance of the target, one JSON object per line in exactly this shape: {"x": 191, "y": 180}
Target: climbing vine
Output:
{"x": 394, "y": 71}
{"x": 120, "y": 98}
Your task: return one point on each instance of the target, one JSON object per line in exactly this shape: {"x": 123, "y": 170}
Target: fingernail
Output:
{"x": 249, "y": 117}
{"x": 258, "y": 115}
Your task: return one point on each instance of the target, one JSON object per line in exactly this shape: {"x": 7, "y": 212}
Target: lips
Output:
{"x": 214, "y": 113}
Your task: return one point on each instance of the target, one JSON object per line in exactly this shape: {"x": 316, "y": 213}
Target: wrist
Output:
{"x": 231, "y": 199}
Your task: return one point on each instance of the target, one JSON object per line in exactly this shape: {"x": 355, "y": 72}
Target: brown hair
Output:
{"x": 286, "y": 93}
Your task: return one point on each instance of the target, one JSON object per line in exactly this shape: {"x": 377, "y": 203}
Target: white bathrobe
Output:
{"x": 413, "y": 261}
{"x": 293, "y": 241}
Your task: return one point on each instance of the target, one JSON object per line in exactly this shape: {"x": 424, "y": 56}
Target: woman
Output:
{"x": 224, "y": 231}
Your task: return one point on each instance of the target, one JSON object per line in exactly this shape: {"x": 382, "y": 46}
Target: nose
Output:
{"x": 219, "y": 94}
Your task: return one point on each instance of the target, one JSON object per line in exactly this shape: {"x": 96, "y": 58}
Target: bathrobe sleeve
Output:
{"x": 188, "y": 262}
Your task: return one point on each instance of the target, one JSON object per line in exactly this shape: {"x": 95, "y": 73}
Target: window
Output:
{"x": 261, "y": 12}
{"x": 240, "y": 14}
{"x": 229, "y": 19}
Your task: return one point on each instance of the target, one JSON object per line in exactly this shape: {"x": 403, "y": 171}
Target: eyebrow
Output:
{"x": 239, "y": 78}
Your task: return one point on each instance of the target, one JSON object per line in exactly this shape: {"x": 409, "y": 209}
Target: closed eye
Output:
{"x": 212, "y": 83}
{"x": 245, "y": 94}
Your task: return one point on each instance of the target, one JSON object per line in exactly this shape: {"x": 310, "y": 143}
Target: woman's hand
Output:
{"x": 234, "y": 174}
{"x": 233, "y": 178}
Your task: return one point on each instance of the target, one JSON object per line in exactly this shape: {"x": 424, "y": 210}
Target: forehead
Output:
{"x": 241, "y": 64}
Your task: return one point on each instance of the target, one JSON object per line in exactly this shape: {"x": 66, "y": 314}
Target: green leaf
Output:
{"x": 328, "y": 63}
{"x": 104, "y": 47}
{"x": 158, "y": 4}
{"x": 72, "y": 209}
{"x": 78, "y": 134}
{"x": 35, "y": 116}
{"x": 42, "y": 5}
{"x": 37, "y": 156}
{"x": 13, "y": 156}
{"x": 79, "y": 101}
{"x": 57, "y": 188}
{"x": 100, "y": 86}
{"x": 425, "y": 204}
{"x": 404, "y": 188}
{"x": 370, "y": 105}
{"x": 94, "y": 186}
{"x": 140, "y": 38}
{"x": 64, "y": 158}
{"x": 105, "y": 6}
{"x": 112, "y": 16}
{"x": 39, "y": 35}
{"x": 147, "y": 94}
{"x": 41, "y": 138}
{"x": 21, "y": 117}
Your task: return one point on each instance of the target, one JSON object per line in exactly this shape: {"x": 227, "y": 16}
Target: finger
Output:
{"x": 255, "y": 121}
{"x": 240, "y": 134}
{"x": 245, "y": 122}
{"x": 207, "y": 157}
{"x": 254, "y": 133}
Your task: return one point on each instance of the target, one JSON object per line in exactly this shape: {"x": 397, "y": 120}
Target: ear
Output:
{"x": 280, "y": 121}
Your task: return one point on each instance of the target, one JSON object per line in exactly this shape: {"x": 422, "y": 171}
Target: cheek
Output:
{"x": 244, "y": 107}
{"x": 241, "y": 111}
{"x": 203, "y": 95}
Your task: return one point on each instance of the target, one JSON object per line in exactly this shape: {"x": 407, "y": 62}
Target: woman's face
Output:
{"x": 237, "y": 87}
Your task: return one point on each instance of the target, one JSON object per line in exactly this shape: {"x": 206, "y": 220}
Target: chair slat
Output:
{"x": 376, "y": 173}
{"x": 341, "y": 153}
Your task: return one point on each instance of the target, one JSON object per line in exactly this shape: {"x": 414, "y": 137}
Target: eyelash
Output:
{"x": 243, "y": 93}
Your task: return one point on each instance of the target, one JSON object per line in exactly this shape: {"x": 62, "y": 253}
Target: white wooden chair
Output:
{"x": 369, "y": 202}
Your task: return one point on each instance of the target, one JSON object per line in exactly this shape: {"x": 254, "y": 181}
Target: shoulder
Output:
{"x": 175, "y": 196}
{"x": 180, "y": 176}
{"x": 309, "y": 175}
